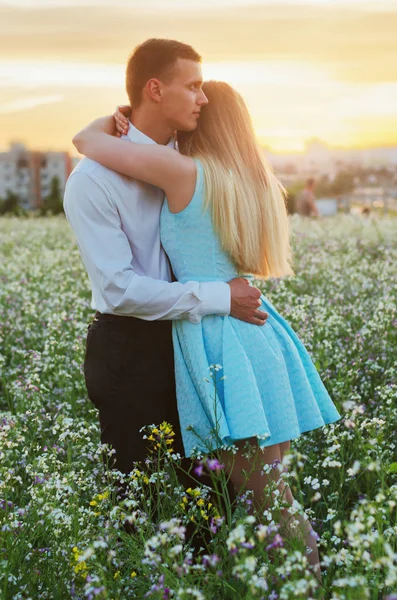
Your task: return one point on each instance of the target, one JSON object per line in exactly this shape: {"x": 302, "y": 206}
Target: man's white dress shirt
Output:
{"x": 116, "y": 221}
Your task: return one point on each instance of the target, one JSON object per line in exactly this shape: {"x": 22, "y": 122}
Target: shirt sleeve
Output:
{"x": 107, "y": 256}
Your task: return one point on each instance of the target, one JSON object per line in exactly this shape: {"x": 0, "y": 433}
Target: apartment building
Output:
{"x": 28, "y": 173}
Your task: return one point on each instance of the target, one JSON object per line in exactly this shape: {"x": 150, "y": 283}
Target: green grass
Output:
{"x": 61, "y": 533}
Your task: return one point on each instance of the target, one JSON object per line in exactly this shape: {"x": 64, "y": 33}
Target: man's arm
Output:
{"x": 107, "y": 257}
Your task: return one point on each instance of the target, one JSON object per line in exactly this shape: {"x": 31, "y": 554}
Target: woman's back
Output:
{"x": 191, "y": 243}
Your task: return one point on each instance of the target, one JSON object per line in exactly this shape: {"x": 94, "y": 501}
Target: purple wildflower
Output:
{"x": 199, "y": 470}
{"x": 248, "y": 545}
{"x": 277, "y": 542}
{"x": 210, "y": 560}
{"x": 214, "y": 465}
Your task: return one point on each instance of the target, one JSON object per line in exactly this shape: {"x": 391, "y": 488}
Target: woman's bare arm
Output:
{"x": 152, "y": 163}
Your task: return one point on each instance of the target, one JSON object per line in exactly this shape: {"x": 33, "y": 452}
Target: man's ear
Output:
{"x": 154, "y": 89}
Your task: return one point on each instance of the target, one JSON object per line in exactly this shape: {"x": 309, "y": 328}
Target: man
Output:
{"x": 306, "y": 204}
{"x": 128, "y": 365}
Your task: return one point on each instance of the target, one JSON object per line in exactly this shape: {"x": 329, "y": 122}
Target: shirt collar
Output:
{"x": 137, "y": 136}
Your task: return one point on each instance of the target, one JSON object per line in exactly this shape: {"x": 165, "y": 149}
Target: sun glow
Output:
{"x": 298, "y": 78}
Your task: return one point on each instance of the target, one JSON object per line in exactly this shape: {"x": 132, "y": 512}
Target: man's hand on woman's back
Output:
{"x": 245, "y": 302}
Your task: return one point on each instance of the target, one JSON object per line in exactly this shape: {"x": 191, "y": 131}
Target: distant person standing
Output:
{"x": 306, "y": 203}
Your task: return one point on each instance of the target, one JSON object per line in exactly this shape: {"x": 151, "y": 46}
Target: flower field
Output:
{"x": 62, "y": 530}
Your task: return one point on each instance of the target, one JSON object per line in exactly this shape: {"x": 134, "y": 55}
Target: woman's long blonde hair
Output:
{"x": 246, "y": 199}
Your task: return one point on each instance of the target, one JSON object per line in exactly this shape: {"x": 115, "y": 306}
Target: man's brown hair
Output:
{"x": 154, "y": 58}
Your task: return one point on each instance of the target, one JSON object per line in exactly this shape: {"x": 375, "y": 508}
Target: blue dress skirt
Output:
{"x": 265, "y": 384}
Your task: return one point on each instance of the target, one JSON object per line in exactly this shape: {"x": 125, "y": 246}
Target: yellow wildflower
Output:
{"x": 81, "y": 568}
{"x": 167, "y": 428}
{"x": 136, "y": 474}
{"x": 133, "y": 574}
{"x": 103, "y": 496}
{"x": 117, "y": 574}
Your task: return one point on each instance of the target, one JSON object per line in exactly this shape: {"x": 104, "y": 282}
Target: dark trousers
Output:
{"x": 129, "y": 373}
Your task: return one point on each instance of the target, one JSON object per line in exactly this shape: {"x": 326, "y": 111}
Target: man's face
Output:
{"x": 183, "y": 97}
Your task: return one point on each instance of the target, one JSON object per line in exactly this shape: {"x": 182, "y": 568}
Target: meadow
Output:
{"x": 62, "y": 530}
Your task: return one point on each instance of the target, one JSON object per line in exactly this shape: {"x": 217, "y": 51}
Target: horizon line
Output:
{"x": 264, "y": 146}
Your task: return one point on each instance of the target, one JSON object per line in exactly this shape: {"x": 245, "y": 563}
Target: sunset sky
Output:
{"x": 318, "y": 68}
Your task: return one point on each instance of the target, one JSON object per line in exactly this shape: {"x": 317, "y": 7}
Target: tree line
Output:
{"x": 52, "y": 203}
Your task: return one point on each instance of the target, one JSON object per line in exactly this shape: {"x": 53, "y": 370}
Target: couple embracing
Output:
{"x": 171, "y": 221}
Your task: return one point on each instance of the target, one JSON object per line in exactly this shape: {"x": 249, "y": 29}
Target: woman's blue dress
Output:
{"x": 268, "y": 385}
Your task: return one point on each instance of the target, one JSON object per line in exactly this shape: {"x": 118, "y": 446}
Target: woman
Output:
{"x": 224, "y": 216}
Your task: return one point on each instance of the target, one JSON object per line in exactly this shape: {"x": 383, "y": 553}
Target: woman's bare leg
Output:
{"x": 246, "y": 471}
{"x": 310, "y": 540}
{"x": 285, "y": 447}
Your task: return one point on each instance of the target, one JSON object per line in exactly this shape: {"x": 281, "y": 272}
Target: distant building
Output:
{"x": 28, "y": 173}
{"x": 319, "y": 159}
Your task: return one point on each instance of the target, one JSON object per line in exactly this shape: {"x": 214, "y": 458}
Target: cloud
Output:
{"x": 288, "y": 102}
{"x": 27, "y": 103}
{"x": 357, "y": 42}
{"x": 32, "y": 74}
{"x": 208, "y": 4}
{"x": 63, "y": 74}
{"x": 322, "y": 68}
{"x": 137, "y": 5}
